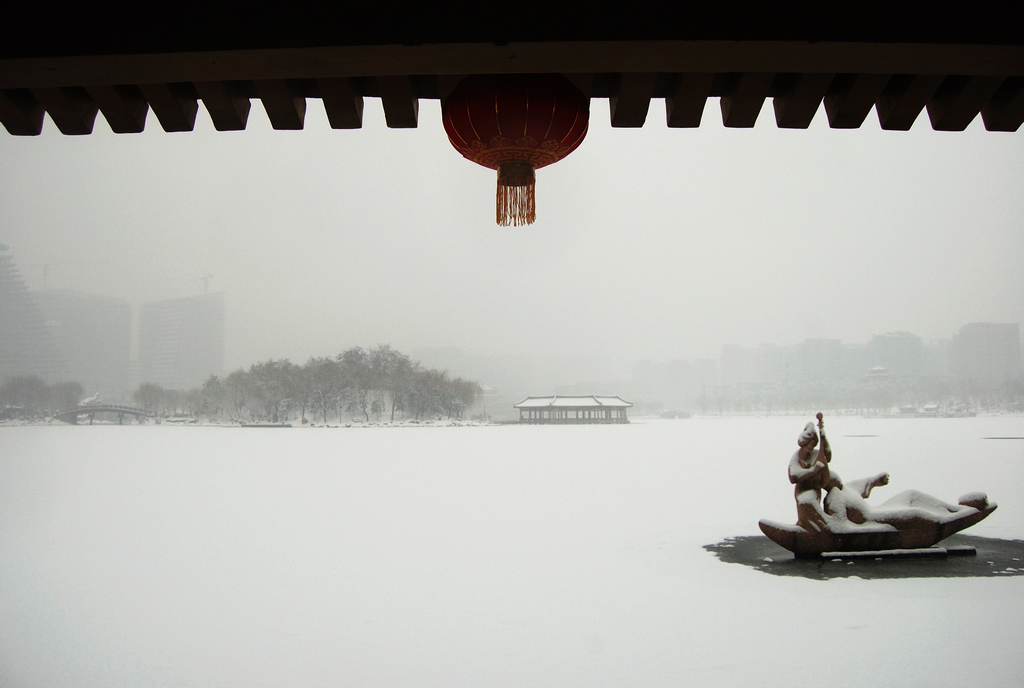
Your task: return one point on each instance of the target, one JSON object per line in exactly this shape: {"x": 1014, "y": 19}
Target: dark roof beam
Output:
{"x": 684, "y": 104}
{"x": 343, "y": 104}
{"x": 952, "y": 101}
{"x": 632, "y": 99}
{"x": 745, "y": 95}
{"x": 226, "y": 102}
{"x": 851, "y": 97}
{"x": 425, "y": 86}
{"x": 584, "y": 81}
{"x": 124, "y": 107}
{"x": 20, "y": 113}
{"x": 401, "y": 106}
{"x": 284, "y": 101}
{"x": 446, "y": 83}
{"x": 1005, "y": 110}
{"x": 175, "y": 105}
{"x": 959, "y": 100}
{"x": 903, "y": 99}
{"x": 797, "y": 98}
{"x": 70, "y": 108}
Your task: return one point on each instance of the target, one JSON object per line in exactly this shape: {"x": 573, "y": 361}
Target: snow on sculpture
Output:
{"x": 845, "y": 522}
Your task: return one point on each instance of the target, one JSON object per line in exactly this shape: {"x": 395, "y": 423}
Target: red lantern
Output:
{"x": 515, "y": 123}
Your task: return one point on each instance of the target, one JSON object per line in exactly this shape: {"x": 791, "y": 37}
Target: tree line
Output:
{"x": 29, "y": 396}
{"x": 381, "y": 383}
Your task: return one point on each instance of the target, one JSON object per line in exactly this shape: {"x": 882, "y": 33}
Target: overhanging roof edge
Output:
{"x": 483, "y": 58}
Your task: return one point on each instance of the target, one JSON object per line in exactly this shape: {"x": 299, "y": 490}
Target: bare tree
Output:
{"x": 465, "y": 393}
{"x": 301, "y": 388}
{"x": 270, "y": 387}
{"x": 65, "y": 396}
{"x": 28, "y": 393}
{"x": 236, "y": 386}
{"x": 400, "y": 376}
{"x": 427, "y": 391}
{"x": 355, "y": 369}
{"x": 213, "y": 396}
{"x": 150, "y": 396}
{"x": 392, "y": 374}
{"x": 325, "y": 382}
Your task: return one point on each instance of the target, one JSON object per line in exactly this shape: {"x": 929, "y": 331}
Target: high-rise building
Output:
{"x": 936, "y": 358}
{"x": 93, "y": 337}
{"x": 812, "y": 360}
{"x": 986, "y": 353}
{"x": 26, "y": 346}
{"x": 819, "y": 360}
{"x": 900, "y": 353}
{"x": 181, "y": 341}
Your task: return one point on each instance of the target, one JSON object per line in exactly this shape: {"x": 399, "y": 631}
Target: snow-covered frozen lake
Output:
{"x": 479, "y": 556}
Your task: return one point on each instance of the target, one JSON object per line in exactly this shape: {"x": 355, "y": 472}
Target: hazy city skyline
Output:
{"x": 182, "y": 351}
{"x": 650, "y": 244}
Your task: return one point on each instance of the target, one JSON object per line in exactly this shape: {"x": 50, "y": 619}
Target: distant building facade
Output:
{"x": 181, "y": 341}
{"x": 810, "y": 361}
{"x": 935, "y": 361}
{"x": 900, "y": 353}
{"x": 26, "y": 345}
{"x": 93, "y": 337}
{"x": 576, "y": 409}
{"x": 818, "y": 360}
{"x": 674, "y": 384}
{"x": 987, "y": 354}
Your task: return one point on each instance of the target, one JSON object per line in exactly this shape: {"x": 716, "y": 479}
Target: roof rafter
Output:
{"x": 900, "y": 59}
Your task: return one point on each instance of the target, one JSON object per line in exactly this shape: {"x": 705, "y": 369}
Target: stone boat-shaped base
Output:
{"x": 911, "y": 533}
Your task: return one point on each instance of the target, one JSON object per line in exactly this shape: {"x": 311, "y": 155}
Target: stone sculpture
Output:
{"x": 845, "y": 522}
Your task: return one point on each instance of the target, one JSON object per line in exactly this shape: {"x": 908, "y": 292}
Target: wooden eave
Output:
{"x": 898, "y": 59}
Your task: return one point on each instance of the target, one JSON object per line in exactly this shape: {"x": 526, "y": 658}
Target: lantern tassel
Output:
{"x": 516, "y": 204}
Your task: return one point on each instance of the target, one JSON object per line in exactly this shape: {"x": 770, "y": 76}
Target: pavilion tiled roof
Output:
{"x": 590, "y": 401}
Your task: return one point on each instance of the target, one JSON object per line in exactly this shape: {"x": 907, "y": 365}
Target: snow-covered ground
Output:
{"x": 479, "y": 556}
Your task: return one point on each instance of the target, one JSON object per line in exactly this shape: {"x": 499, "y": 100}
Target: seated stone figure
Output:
{"x": 809, "y": 472}
{"x": 845, "y": 521}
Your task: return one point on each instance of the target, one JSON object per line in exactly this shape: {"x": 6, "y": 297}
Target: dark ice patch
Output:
{"x": 995, "y": 558}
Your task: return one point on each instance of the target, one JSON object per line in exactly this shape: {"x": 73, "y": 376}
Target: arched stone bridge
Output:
{"x": 71, "y": 416}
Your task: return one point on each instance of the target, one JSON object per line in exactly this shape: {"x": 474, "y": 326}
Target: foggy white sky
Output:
{"x": 650, "y": 243}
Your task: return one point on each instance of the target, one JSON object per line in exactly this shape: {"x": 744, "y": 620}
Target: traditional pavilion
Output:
{"x": 559, "y": 409}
